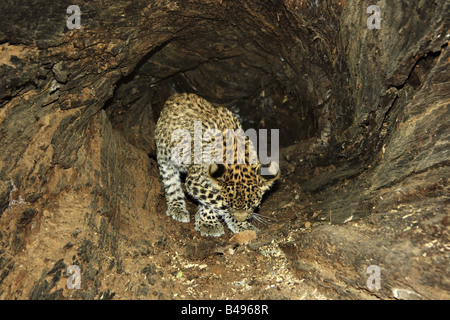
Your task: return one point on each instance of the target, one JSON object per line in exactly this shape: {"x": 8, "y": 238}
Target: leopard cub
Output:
{"x": 225, "y": 190}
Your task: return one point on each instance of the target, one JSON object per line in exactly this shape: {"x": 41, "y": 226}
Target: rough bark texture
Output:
{"x": 363, "y": 118}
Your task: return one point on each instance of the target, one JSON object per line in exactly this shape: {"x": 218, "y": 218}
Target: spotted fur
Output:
{"x": 230, "y": 192}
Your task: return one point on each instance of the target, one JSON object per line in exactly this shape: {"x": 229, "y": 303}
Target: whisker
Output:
{"x": 265, "y": 217}
{"x": 262, "y": 219}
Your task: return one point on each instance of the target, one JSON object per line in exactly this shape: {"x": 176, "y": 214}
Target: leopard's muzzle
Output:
{"x": 241, "y": 215}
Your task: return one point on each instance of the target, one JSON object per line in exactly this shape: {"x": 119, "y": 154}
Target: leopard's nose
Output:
{"x": 240, "y": 215}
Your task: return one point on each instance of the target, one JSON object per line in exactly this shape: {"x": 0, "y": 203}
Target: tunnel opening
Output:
{"x": 363, "y": 149}
{"x": 220, "y": 63}
{"x": 236, "y": 78}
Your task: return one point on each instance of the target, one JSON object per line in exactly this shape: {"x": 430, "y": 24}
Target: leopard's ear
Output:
{"x": 216, "y": 172}
{"x": 270, "y": 174}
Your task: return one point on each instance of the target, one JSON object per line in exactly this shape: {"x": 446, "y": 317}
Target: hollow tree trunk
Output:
{"x": 364, "y": 137}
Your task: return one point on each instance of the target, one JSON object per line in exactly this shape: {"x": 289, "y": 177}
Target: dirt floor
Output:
{"x": 186, "y": 265}
{"x": 181, "y": 264}
{"x": 172, "y": 262}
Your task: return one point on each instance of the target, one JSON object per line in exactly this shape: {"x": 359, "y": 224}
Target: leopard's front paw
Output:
{"x": 236, "y": 226}
{"x": 214, "y": 229}
{"x": 179, "y": 214}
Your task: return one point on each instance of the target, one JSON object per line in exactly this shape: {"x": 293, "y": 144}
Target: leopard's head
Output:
{"x": 241, "y": 186}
